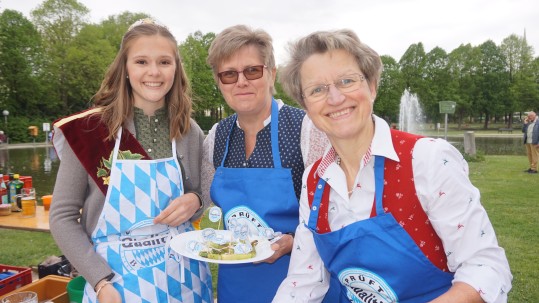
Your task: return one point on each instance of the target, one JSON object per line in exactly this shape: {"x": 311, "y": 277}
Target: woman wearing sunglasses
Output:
{"x": 253, "y": 160}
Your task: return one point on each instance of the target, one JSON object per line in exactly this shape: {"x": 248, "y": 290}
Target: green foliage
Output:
{"x": 280, "y": 94}
{"x": 412, "y": 65}
{"x": 478, "y": 157}
{"x": 114, "y": 27}
{"x": 19, "y": 60}
{"x": 462, "y": 65}
{"x": 390, "y": 89}
{"x": 524, "y": 89}
{"x": 16, "y": 128}
{"x": 194, "y": 51}
{"x": 207, "y": 98}
{"x": 59, "y": 22}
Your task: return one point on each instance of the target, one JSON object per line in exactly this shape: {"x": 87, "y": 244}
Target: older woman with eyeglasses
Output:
{"x": 391, "y": 215}
{"x": 253, "y": 159}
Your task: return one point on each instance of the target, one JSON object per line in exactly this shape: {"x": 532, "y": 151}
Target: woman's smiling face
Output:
{"x": 339, "y": 115}
{"x": 151, "y": 67}
{"x": 247, "y": 97}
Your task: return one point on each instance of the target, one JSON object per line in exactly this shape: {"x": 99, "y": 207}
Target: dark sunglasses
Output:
{"x": 250, "y": 73}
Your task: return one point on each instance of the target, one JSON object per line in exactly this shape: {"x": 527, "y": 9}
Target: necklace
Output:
{"x": 338, "y": 161}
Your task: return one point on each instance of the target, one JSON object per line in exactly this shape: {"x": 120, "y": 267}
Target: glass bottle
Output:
{"x": 15, "y": 187}
{"x": 3, "y": 190}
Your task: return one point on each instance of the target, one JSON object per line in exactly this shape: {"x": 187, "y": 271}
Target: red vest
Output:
{"x": 399, "y": 199}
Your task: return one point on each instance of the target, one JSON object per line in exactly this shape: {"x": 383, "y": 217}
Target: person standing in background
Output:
{"x": 530, "y": 128}
{"x": 131, "y": 163}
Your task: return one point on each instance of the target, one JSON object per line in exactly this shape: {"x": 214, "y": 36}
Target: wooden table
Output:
{"x": 38, "y": 223}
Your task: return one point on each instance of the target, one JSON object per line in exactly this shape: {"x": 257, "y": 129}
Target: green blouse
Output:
{"x": 153, "y": 133}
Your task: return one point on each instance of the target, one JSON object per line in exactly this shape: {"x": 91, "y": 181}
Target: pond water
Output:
{"x": 41, "y": 162}
{"x": 493, "y": 145}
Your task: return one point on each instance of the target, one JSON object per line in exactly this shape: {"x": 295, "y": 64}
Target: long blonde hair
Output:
{"x": 115, "y": 95}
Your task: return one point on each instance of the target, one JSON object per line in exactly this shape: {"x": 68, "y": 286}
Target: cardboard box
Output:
{"x": 52, "y": 287}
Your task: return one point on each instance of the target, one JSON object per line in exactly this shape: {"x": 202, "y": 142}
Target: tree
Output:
{"x": 87, "y": 59}
{"x": 535, "y": 72}
{"x": 523, "y": 91}
{"x": 493, "y": 82}
{"x": 20, "y": 64}
{"x": 114, "y": 27}
{"x": 206, "y": 94}
{"x": 438, "y": 85}
{"x": 463, "y": 67}
{"x": 412, "y": 65}
{"x": 280, "y": 94}
{"x": 93, "y": 49}
{"x": 390, "y": 90}
{"x": 59, "y": 22}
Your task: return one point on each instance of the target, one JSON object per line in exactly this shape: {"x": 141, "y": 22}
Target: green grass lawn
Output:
{"x": 511, "y": 199}
{"x": 509, "y": 195}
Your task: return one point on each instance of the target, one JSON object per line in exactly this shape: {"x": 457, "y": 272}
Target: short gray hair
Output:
{"x": 321, "y": 42}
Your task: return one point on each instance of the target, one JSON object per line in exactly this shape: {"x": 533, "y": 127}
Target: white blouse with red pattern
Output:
{"x": 475, "y": 258}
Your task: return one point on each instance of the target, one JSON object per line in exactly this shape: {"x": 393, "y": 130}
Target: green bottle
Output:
{"x": 15, "y": 187}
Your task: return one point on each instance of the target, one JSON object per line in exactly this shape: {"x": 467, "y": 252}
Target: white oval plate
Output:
{"x": 180, "y": 244}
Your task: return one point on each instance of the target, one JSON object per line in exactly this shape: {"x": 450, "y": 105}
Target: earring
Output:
{"x": 127, "y": 77}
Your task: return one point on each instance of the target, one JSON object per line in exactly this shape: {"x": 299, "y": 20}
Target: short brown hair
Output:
{"x": 232, "y": 39}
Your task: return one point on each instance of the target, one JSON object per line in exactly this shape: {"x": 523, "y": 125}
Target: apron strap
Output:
{"x": 315, "y": 207}
{"x": 117, "y": 145}
{"x": 379, "y": 182}
{"x": 274, "y": 136}
{"x": 174, "y": 148}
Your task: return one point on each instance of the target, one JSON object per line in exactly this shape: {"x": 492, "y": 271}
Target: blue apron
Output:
{"x": 261, "y": 198}
{"x": 375, "y": 259}
{"x": 146, "y": 269}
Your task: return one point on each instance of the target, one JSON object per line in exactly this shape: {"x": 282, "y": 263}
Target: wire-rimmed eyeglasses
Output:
{"x": 345, "y": 84}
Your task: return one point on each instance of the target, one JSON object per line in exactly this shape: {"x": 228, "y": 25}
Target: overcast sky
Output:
{"x": 388, "y": 26}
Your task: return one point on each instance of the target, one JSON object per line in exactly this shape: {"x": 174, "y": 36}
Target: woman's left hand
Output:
{"x": 282, "y": 247}
{"x": 179, "y": 210}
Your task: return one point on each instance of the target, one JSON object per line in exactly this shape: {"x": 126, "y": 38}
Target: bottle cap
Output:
{"x": 16, "y": 176}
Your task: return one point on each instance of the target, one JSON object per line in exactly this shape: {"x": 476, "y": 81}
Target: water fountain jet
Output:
{"x": 410, "y": 113}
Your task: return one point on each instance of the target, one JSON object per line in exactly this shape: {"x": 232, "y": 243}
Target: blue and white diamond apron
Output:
{"x": 375, "y": 259}
{"x": 262, "y": 198}
{"x": 146, "y": 269}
